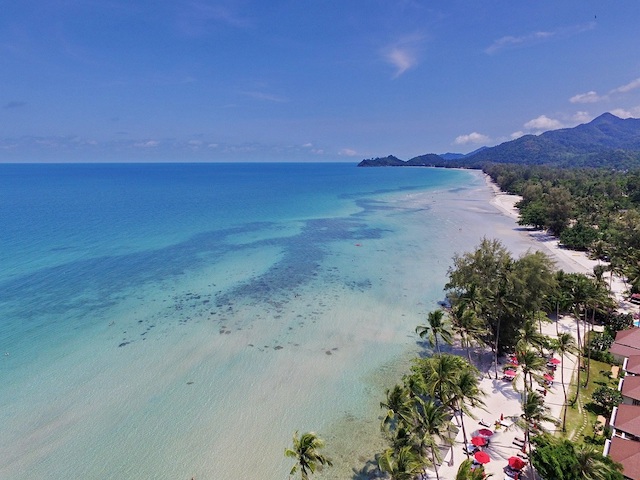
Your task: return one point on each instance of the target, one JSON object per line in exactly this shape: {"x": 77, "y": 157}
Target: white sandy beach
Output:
{"x": 502, "y": 397}
{"x": 503, "y": 401}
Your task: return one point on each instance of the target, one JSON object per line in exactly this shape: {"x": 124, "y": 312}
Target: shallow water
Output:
{"x": 178, "y": 321}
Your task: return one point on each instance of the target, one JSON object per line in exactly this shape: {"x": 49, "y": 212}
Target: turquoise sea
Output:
{"x": 171, "y": 321}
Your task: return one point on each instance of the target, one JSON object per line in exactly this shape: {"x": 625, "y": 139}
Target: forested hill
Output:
{"x": 607, "y": 141}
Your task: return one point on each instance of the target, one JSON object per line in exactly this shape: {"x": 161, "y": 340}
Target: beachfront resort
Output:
{"x": 558, "y": 401}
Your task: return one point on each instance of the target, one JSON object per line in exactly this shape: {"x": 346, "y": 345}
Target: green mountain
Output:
{"x": 389, "y": 161}
{"x": 606, "y": 141}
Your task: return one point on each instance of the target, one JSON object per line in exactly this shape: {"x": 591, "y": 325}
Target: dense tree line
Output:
{"x": 563, "y": 460}
{"x": 594, "y": 210}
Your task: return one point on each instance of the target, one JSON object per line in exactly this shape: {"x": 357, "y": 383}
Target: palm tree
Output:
{"x": 529, "y": 336}
{"x": 564, "y": 344}
{"x": 534, "y": 412}
{"x": 306, "y": 452}
{"x": 591, "y": 464}
{"x": 465, "y": 472}
{"x": 561, "y": 295}
{"x": 504, "y": 307}
{"x": 438, "y": 374}
{"x": 404, "y": 464}
{"x": 580, "y": 290}
{"x": 466, "y": 390}
{"x": 436, "y": 328}
{"x": 599, "y": 300}
{"x": 452, "y": 381}
{"x": 399, "y": 407}
{"x": 431, "y": 424}
{"x": 467, "y": 326}
{"x": 532, "y": 365}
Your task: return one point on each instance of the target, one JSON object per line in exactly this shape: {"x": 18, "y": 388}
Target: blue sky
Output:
{"x": 305, "y": 80}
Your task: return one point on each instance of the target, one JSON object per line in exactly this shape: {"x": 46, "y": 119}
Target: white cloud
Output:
{"x": 347, "y": 152}
{"x": 403, "y": 54}
{"x": 593, "y": 97}
{"x": 628, "y": 87}
{"x": 517, "y": 134}
{"x": 589, "y": 97}
{"x": 401, "y": 59}
{"x": 474, "y": 137}
{"x": 533, "y": 38}
{"x": 511, "y": 41}
{"x": 147, "y": 144}
{"x": 542, "y": 124}
{"x": 316, "y": 151}
{"x": 582, "y": 117}
{"x": 620, "y": 112}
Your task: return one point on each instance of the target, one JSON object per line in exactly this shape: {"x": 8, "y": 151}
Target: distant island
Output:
{"x": 607, "y": 141}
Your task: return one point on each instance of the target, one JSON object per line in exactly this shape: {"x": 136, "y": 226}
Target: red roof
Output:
{"x": 631, "y": 387}
{"x": 629, "y": 337}
{"x": 626, "y": 452}
{"x": 628, "y": 419}
{"x": 633, "y": 364}
{"x": 627, "y": 343}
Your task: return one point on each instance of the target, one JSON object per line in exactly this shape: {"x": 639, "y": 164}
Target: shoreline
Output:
{"x": 577, "y": 262}
{"x": 488, "y": 201}
{"x": 503, "y": 398}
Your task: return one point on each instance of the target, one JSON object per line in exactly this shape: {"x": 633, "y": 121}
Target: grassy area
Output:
{"x": 581, "y": 417}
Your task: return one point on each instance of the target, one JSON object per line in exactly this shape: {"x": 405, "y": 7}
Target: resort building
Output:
{"x": 630, "y": 389}
{"x": 624, "y": 446}
{"x": 627, "y": 453}
{"x": 626, "y": 344}
{"x": 625, "y": 422}
{"x": 631, "y": 365}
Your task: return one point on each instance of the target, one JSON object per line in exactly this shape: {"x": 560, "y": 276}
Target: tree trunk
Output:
{"x": 495, "y": 345}
{"x": 564, "y": 390}
{"x": 464, "y": 432}
{"x": 539, "y": 321}
{"x": 579, "y": 355}
{"x": 435, "y": 465}
{"x": 593, "y": 319}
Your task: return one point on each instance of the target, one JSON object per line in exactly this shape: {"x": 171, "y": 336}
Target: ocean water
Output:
{"x": 179, "y": 321}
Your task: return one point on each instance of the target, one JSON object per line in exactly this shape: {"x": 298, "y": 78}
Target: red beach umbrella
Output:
{"x": 516, "y": 463}
{"x": 510, "y": 373}
{"x": 548, "y": 377}
{"x": 555, "y": 361}
{"x": 482, "y": 457}
{"x": 479, "y": 441}
{"x": 484, "y": 432}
